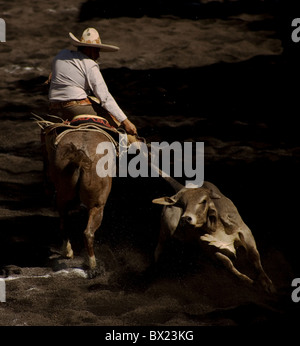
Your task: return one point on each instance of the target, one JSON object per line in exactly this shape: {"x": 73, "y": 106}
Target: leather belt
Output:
{"x": 64, "y": 104}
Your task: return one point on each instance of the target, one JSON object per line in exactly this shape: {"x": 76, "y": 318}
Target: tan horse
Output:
{"x": 72, "y": 169}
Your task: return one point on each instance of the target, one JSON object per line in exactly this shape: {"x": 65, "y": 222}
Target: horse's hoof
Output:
{"x": 92, "y": 273}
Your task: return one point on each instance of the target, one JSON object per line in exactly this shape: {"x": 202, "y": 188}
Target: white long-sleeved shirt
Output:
{"x": 75, "y": 76}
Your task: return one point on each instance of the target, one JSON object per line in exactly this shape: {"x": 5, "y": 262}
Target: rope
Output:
{"x": 42, "y": 123}
{"x": 49, "y": 126}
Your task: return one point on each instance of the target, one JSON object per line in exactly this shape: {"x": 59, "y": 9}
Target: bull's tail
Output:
{"x": 77, "y": 156}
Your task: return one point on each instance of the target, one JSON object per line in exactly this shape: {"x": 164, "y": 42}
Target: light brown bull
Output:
{"x": 72, "y": 169}
{"x": 204, "y": 214}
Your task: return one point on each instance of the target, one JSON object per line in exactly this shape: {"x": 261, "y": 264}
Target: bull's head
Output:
{"x": 198, "y": 208}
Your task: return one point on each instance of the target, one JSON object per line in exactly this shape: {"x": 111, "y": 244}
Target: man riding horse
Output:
{"x": 76, "y": 76}
{"x": 78, "y": 92}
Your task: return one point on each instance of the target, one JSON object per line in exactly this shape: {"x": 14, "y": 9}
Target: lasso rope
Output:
{"x": 51, "y": 126}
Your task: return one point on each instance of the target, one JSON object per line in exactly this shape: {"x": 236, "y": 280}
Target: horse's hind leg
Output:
{"x": 66, "y": 249}
{"x": 94, "y": 222}
{"x": 64, "y": 196}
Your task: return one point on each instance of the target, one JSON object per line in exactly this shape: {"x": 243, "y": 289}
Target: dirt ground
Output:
{"x": 215, "y": 72}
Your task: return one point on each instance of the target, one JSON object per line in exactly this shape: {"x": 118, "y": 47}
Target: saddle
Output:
{"x": 90, "y": 119}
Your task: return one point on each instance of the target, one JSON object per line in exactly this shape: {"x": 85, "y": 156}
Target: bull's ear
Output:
{"x": 165, "y": 200}
{"x": 214, "y": 195}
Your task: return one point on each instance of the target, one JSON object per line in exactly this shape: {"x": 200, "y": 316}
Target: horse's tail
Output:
{"x": 76, "y": 156}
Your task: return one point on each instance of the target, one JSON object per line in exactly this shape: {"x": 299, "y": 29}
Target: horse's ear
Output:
{"x": 165, "y": 200}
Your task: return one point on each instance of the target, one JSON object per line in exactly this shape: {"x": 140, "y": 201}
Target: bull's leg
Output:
{"x": 169, "y": 221}
{"x": 229, "y": 265}
{"x": 158, "y": 251}
{"x": 254, "y": 258}
{"x": 94, "y": 222}
{"x": 262, "y": 277}
{"x": 160, "y": 246}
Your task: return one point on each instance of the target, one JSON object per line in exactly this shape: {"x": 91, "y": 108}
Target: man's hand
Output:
{"x": 129, "y": 127}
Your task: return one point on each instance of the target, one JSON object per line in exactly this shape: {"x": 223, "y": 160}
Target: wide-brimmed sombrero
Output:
{"x": 91, "y": 38}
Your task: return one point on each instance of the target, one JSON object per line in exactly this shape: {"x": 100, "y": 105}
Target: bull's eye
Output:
{"x": 203, "y": 202}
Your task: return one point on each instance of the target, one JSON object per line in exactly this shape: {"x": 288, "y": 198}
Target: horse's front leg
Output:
{"x": 94, "y": 222}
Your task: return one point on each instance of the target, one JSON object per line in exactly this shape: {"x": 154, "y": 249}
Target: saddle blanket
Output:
{"x": 92, "y": 119}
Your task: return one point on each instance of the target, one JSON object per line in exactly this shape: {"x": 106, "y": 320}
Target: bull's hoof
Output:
{"x": 269, "y": 288}
{"x": 266, "y": 284}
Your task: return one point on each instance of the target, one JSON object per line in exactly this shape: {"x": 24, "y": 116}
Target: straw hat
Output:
{"x": 91, "y": 38}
